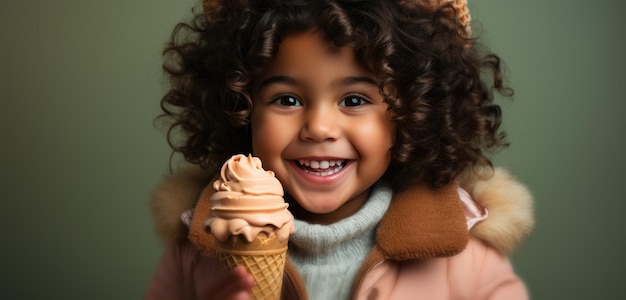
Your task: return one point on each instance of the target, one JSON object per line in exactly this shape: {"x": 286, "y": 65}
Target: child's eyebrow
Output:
{"x": 347, "y": 81}
{"x": 277, "y": 79}
{"x": 357, "y": 80}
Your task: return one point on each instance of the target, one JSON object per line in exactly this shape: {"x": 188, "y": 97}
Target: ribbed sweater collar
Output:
{"x": 319, "y": 239}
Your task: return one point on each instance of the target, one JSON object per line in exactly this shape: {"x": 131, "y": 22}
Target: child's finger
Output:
{"x": 247, "y": 280}
{"x": 236, "y": 285}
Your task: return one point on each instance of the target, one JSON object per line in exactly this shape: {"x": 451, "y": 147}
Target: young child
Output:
{"x": 375, "y": 116}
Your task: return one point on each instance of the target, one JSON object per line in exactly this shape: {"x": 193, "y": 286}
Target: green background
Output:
{"x": 79, "y": 154}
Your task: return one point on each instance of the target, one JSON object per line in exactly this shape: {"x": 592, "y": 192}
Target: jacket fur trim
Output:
{"x": 510, "y": 204}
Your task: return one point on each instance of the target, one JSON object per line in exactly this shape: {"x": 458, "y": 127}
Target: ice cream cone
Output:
{"x": 264, "y": 258}
{"x": 251, "y": 224}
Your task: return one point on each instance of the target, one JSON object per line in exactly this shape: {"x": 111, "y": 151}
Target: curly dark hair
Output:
{"x": 438, "y": 85}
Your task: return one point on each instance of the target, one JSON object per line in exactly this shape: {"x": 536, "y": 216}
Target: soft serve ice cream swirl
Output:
{"x": 248, "y": 200}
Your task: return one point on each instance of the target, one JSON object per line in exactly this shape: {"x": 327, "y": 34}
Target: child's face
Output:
{"x": 320, "y": 123}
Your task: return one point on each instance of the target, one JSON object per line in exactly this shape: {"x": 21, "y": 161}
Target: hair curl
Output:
{"x": 437, "y": 84}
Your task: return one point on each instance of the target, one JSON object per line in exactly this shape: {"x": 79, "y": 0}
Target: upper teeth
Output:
{"x": 320, "y": 164}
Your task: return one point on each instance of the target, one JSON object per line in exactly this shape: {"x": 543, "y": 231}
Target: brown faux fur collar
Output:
{"x": 423, "y": 223}
{"x": 410, "y": 229}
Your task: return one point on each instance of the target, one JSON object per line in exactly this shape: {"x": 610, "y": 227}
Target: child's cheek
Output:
{"x": 269, "y": 138}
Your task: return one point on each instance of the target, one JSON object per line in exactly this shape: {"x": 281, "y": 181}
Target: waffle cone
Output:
{"x": 264, "y": 258}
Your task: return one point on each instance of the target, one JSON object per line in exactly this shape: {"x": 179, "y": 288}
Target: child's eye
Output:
{"x": 353, "y": 100}
{"x": 287, "y": 100}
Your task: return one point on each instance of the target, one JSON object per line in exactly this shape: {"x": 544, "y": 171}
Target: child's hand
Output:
{"x": 236, "y": 285}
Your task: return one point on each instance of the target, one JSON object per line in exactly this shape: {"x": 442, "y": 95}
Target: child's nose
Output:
{"x": 320, "y": 124}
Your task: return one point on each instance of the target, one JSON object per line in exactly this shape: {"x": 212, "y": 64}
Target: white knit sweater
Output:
{"x": 329, "y": 256}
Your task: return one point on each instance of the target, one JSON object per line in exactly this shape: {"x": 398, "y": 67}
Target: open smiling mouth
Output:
{"x": 321, "y": 167}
